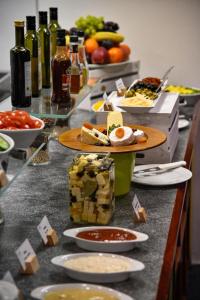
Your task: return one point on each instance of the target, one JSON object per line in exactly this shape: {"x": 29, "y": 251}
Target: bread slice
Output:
{"x": 90, "y": 137}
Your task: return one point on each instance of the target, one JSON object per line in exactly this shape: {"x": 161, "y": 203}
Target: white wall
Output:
{"x": 161, "y": 33}
{"x": 11, "y": 10}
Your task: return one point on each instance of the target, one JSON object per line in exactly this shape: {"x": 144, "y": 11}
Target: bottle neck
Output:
{"x": 19, "y": 36}
{"x": 42, "y": 25}
{"x": 74, "y": 48}
{"x": 61, "y": 49}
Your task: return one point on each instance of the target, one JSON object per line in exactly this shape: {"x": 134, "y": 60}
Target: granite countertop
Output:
{"x": 42, "y": 190}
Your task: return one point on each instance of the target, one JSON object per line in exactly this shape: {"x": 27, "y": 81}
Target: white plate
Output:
{"x": 40, "y": 292}
{"x": 8, "y": 291}
{"x": 138, "y": 109}
{"x": 169, "y": 177}
{"x": 98, "y": 277}
{"x": 106, "y": 66}
{"x": 106, "y": 246}
{"x": 183, "y": 123}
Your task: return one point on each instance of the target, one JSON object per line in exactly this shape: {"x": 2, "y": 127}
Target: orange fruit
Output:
{"x": 126, "y": 50}
{"x": 115, "y": 55}
{"x": 91, "y": 45}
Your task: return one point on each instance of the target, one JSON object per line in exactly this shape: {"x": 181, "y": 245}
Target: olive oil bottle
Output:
{"x": 31, "y": 43}
{"x": 82, "y": 59}
{"x": 20, "y": 64}
{"x": 53, "y": 26}
{"x": 44, "y": 49}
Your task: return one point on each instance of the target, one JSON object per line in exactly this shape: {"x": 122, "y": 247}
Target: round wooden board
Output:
{"x": 71, "y": 139}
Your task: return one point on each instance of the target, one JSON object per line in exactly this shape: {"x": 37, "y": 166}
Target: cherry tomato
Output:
{"x": 37, "y": 124}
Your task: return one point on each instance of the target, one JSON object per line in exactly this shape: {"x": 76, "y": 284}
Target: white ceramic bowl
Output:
{"x": 98, "y": 277}
{"x": 10, "y": 141}
{"x": 105, "y": 246}
{"x": 40, "y": 292}
{"x": 23, "y": 138}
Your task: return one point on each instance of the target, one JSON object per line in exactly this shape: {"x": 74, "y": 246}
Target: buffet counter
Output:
{"x": 43, "y": 190}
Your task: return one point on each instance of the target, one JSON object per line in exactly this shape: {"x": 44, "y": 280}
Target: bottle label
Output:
{"x": 65, "y": 82}
{"x": 27, "y": 78}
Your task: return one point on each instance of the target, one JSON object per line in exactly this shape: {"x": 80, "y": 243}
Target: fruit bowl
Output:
{"x": 23, "y": 138}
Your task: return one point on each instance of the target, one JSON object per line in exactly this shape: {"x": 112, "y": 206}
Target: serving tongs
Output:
{"x": 163, "y": 79}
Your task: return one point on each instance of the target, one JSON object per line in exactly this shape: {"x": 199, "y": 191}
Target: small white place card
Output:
{"x": 47, "y": 233}
{"x": 44, "y": 228}
{"x": 9, "y": 278}
{"x": 120, "y": 85}
{"x": 136, "y": 206}
{"x": 25, "y": 251}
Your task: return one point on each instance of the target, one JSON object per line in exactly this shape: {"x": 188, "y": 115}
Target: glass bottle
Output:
{"x": 53, "y": 26}
{"x": 83, "y": 59}
{"x": 31, "y": 43}
{"x": 75, "y": 70}
{"x": 60, "y": 71}
{"x": 44, "y": 49}
{"x": 20, "y": 64}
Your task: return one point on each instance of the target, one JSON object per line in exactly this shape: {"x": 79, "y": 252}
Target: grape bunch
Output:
{"x": 90, "y": 24}
{"x": 110, "y": 26}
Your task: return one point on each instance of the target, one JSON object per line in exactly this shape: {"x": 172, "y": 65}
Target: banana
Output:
{"x": 104, "y": 35}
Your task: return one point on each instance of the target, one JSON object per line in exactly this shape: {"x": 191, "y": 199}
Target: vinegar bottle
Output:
{"x": 61, "y": 72}
{"x": 82, "y": 59}
{"x": 20, "y": 64}
{"x": 75, "y": 70}
{"x": 31, "y": 43}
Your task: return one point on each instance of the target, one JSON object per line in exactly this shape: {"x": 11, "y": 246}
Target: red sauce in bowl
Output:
{"x": 102, "y": 235}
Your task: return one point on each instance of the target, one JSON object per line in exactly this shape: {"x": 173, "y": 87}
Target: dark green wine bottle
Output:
{"x": 44, "y": 49}
{"x": 53, "y": 26}
{"x": 31, "y": 43}
{"x": 20, "y": 64}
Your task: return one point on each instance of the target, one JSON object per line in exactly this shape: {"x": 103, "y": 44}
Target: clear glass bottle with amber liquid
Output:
{"x": 61, "y": 72}
{"x": 31, "y": 43}
{"x": 44, "y": 50}
{"x": 75, "y": 69}
{"x": 53, "y": 26}
{"x": 20, "y": 64}
{"x": 82, "y": 59}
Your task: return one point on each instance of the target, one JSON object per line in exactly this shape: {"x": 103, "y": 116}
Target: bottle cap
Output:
{"x": 43, "y": 17}
{"x": 30, "y": 22}
{"x": 60, "y": 37}
{"x": 53, "y": 13}
{"x": 80, "y": 33}
{"x": 73, "y": 39}
{"x": 19, "y": 23}
{"x": 61, "y": 33}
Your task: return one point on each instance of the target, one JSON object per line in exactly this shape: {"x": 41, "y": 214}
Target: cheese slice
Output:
{"x": 114, "y": 118}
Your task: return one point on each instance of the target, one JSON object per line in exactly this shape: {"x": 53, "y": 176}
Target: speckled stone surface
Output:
{"x": 42, "y": 190}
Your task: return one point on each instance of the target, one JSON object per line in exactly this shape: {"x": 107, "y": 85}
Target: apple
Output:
{"x": 100, "y": 56}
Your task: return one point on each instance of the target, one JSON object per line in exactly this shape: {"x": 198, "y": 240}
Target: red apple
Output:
{"x": 100, "y": 56}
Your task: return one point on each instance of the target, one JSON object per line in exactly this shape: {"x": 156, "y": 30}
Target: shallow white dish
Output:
{"x": 137, "y": 109}
{"x": 40, "y": 292}
{"x": 105, "y": 246}
{"x": 169, "y": 177}
{"x": 10, "y": 142}
{"x": 98, "y": 277}
{"x": 23, "y": 138}
{"x": 8, "y": 291}
{"x": 183, "y": 123}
